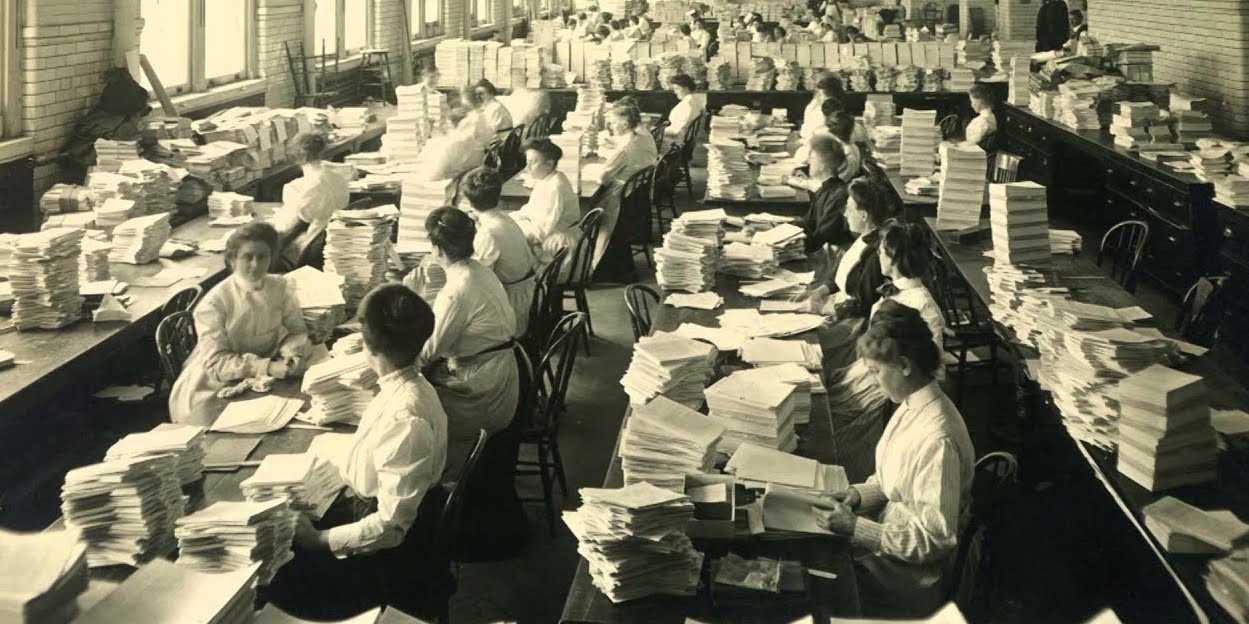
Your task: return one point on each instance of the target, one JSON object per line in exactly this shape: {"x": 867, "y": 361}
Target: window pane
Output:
{"x": 483, "y": 11}
{"x": 325, "y": 27}
{"x": 518, "y": 8}
{"x": 414, "y": 18}
{"x": 433, "y": 17}
{"x": 355, "y": 17}
{"x": 225, "y": 38}
{"x": 166, "y": 41}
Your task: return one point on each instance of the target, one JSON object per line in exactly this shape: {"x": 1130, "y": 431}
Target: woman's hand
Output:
{"x": 852, "y": 499}
{"x": 306, "y": 535}
{"x": 278, "y": 368}
{"x": 839, "y": 519}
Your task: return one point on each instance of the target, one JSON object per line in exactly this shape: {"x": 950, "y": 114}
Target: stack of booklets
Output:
{"x": 419, "y": 199}
{"x": 186, "y": 443}
{"x": 743, "y": 260}
{"x": 675, "y": 367}
{"x": 770, "y": 351}
{"x": 1211, "y": 162}
{"x": 321, "y": 300}
{"x": 63, "y": 198}
{"x": 114, "y": 211}
{"x": 705, "y": 224}
{"x": 961, "y": 79}
{"x": 1076, "y": 105}
{"x": 663, "y": 441}
{"x": 1165, "y": 437}
{"x": 1183, "y": 529}
{"x": 753, "y": 409}
{"x": 93, "y": 263}
{"x": 46, "y": 573}
{"x": 228, "y": 205}
{"x": 404, "y": 138}
{"x": 1130, "y": 125}
{"x": 232, "y": 535}
{"x": 974, "y": 50}
{"x": 963, "y": 169}
{"x": 1018, "y": 91}
{"x": 43, "y": 274}
{"x": 307, "y": 483}
{"x": 1227, "y": 579}
{"x": 357, "y": 244}
{"x": 162, "y": 591}
{"x": 919, "y": 142}
{"x": 786, "y": 240}
{"x": 124, "y": 509}
{"x": 340, "y": 389}
{"x": 155, "y": 184}
{"x": 1232, "y": 190}
{"x": 138, "y": 241}
{"x": 110, "y": 154}
{"x": 1019, "y": 216}
{"x": 686, "y": 263}
{"x": 887, "y": 146}
{"x": 634, "y": 541}
{"x": 728, "y": 173}
{"x": 1191, "y": 125}
{"x": 1012, "y": 289}
{"x": 1067, "y": 242}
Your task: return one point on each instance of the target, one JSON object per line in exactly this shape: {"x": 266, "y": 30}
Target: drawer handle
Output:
{"x": 1109, "y": 172}
{"x": 1227, "y": 232}
{"x": 1149, "y": 189}
{"x": 1171, "y": 238}
{"x": 1132, "y": 182}
{"x": 1177, "y": 204}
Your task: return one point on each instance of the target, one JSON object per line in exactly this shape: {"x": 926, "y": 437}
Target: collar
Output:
{"x": 921, "y": 398}
{"x": 907, "y": 283}
{"x": 830, "y": 183}
{"x": 398, "y": 376}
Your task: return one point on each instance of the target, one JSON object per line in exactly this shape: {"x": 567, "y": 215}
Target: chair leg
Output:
{"x": 993, "y": 363}
{"x": 559, "y": 467}
{"x": 547, "y": 494}
{"x": 583, "y": 305}
{"x": 962, "y": 375}
{"x": 689, "y": 181}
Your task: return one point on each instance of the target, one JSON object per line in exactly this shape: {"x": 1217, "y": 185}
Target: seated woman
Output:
{"x": 369, "y": 548}
{"x": 841, "y": 126}
{"x": 700, "y": 34}
{"x": 855, "y": 401}
{"x": 549, "y": 219}
{"x": 982, "y": 128}
{"x": 828, "y": 87}
{"x": 308, "y": 202}
{"x": 905, "y": 519}
{"x": 469, "y": 353}
{"x": 825, "y": 223}
{"x": 500, "y": 244}
{"x": 493, "y": 112}
{"x": 689, "y": 106}
{"x": 634, "y": 147}
{"x": 471, "y": 121}
{"x": 250, "y": 325}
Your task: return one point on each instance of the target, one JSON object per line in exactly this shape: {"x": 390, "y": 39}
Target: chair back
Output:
{"x": 453, "y": 191}
{"x": 583, "y": 252}
{"x": 657, "y": 133}
{"x": 505, "y": 154}
{"x": 526, "y": 399}
{"x": 1006, "y": 167}
{"x": 638, "y": 300}
{"x": 693, "y": 131}
{"x": 554, "y": 372}
{"x": 1202, "y": 311}
{"x": 540, "y": 127}
{"x": 182, "y": 301}
{"x": 543, "y": 308}
{"x": 1123, "y": 244}
{"x": 451, "y": 521}
{"x": 635, "y": 206}
{"x": 313, "y": 254}
{"x": 939, "y": 286}
{"x": 175, "y": 339}
{"x": 951, "y": 127}
{"x": 994, "y": 482}
{"x": 713, "y": 49}
{"x": 667, "y": 171}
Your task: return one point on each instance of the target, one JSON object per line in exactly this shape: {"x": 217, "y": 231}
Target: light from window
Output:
{"x": 225, "y": 39}
{"x": 166, "y": 42}
{"x": 355, "y": 29}
{"x": 483, "y": 11}
{"x": 414, "y": 18}
{"x": 325, "y": 27}
{"x": 518, "y": 8}
{"x": 433, "y": 17}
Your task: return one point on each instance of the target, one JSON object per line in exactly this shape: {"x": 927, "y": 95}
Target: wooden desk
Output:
{"x": 269, "y": 186}
{"x": 515, "y": 193}
{"x": 793, "y": 206}
{"x": 585, "y": 603}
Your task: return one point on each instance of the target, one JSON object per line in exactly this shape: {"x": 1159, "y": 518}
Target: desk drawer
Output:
{"x": 1234, "y": 234}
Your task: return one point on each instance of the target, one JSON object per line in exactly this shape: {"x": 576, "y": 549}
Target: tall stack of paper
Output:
{"x": 705, "y": 224}
{"x": 419, "y": 199}
{"x": 887, "y": 146}
{"x": 919, "y": 142}
{"x": 728, "y": 174}
{"x": 404, "y": 138}
{"x": 1076, "y": 105}
{"x": 1232, "y": 190}
{"x": 155, "y": 184}
{"x": 879, "y": 111}
{"x": 786, "y": 240}
{"x": 1018, "y": 297}
{"x": 162, "y": 591}
{"x": 124, "y": 509}
{"x": 570, "y": 163}
{"x": 93, "y": 263}
{"x": 340, "y": 389}
{"x": 227, "y": 205}
{"x": 663, "y": 441}
{"x": 110, "y": 154}
{"x": 623, "y": 75}
{"x": 675, "y": 367}
{"x": 753, "y": 409}
{"x": 1165, "y": 437}
{"x": 356, "y": 246}
{"x": 963, "y": 168}
{"x": 1018, "y": 91}
{"x": 686, "y": 263}
{"x": 1131, "y": 124}
{"x": 43, "y": 273}
{"x": 230, "y": 535}
{"x": 47, "y": 573}
{"x": 1019, "y": 216}
{"x": 321, "y": 300}
{"x": 634, "y": 541}
{"x": 748, "y": 260}
{"x": 185, "y": 443}
{"x": 307, "y": 483}
{"x": 961, "y": 79}
{"x": 138, "y": 241}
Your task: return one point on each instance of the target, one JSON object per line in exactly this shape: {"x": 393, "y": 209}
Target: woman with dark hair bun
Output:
{"x": 308, "y": 201}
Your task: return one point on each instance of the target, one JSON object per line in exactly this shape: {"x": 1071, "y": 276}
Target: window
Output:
{"x": 355, "y": 27}
{"x": 340, "y": 27}
{"x": 433, "y": 17}
{"x": 194, "y": 45}
{"x": 10, "y": 88}
{"x": 325, "y": 27}
{"x": 481, "y": 12}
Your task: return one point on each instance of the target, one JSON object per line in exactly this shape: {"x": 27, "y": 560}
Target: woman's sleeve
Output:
{"x": 485, "y": 251}
{"x": 221, "y": 365}
{"x": 869, "y": 282}
{"x": 296, "y": 342}
{"x": 924, "y": 527}
{"x": 450, "y": 320}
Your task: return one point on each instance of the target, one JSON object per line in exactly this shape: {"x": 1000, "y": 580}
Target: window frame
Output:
{"x": 340, "y": 28}
{"x": 197, "y": 80}
{"x": 10, "y": 72}
{"x": 474, "y": 16}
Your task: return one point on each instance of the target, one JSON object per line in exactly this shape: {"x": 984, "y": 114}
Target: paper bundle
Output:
{"x": 707, "y": 225}
{"x": 227, "y": 205}
{"x": 752, "y": 409}
{"x": 686, "y": 263}
{"x": 356, "y": 246}
{"x": 919, "y": 142}
{"x": 961, "y": 194}
{"x": 43, "y": 274}
{"x": 1131, "y": 124}
{"x": 1066, "y": 242}
{"x": 155, "y": 185}
{"x": 675, "y": 367}
{"x": 230, "y": 535}
{"x": 887, "y": 146}
{"x": 623, "y": 76}
{"x": 185, "y": 443}
{"x": 762, "y": 75}
{"x": 663, "y": 441}
{"x": 1191, "y": 125}
{"x": 347, "y": 345}
{"x": 803, "y": 381}
{"x": 1184, "y": 529}
{"x": 770, "y": 352}
{"x": 419, "y": 199}
{"x": 306, "y": 482}
{"x": 787, "y": 241}
{"x": 751, "y": 261}
{"x": 404, "y": 138}
{"x": 49, "y": 571}
{"x": 138, "y": 241}
{"x": 114, "y": 211}
{"x": 634, "y": 541}
{"x": 1020, "y": 299}
{"x": 93, "y": 262}
{"x": 1211, "y": 162}
{"x": 1232, "y": 190}
{"x": 320, "y": 298}
{"x": 340, "y": 389}
{"x": 728, "y": 174}
{"x": 110, "y": 154}
{"x": 124, "y": 509}
{"x": 1019, "y": 216}
{"x": 66, "y": 198}
{"x": 1165, "y": 437}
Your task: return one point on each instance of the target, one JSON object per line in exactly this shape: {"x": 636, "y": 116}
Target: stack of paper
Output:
{"x": 162, "y": 591}
{"x": 47, "y": 572}
{"x": 138, "y": 241}
{"x": 663, "y": 441}
{"x": 919, "y": 142}
{"x": 804, "y": 382}
{"x": 634, "y": 541}
{"x": 114, "y": 211}
{"x": 1132, "y": 123}
{"x": 758, "y": 464}
{"x": 63, "y": 198}
{"x": 43, "y": 273}
{"x": 110, "y": 154}
{"x": 570, "y": 164}
{"x": 1018, "y": 91}
{"x": 1013, "y": 290}
{"x": 1227, "y": 579}
{"x": 155, "y": 183}
{"x": 1191, "y": 125}
{"x": 1068, "y": 242}
{"x": 880, "y": 111}
{"x": 320, "y": 298}
{"x": 340, "y": 389}
{"x": 1184, "y": 529}
{"x": 404, "y": 138}
{"x": 356, "y": 247}
{"x": 93, "y": 263}
{"x": 1076, "y": 105}
{"x": 1165, "y": 437}
{"x": 788, "y": 75}
{"x": 753, "y": 409}
{"x": 623, "y": 76}
{"x": 768, "y": 351}
{"x": 1211, "y": 162}
{"x": 1232, "y": 190}
{"x": 686, "y": 263}
{"x": 887, "y": 146}
{"x": 961, "y": 79}
{"x": 786, "y": 240}
{"x": 743, "y": 260}
{"x": 229, "y": 206}
{"x": 348, "y": 345}
{"x": 705, "y": 224}
{"x": 728, "y": 173}
{"x": 307, "y": 483}
{"x": 963, "y": 168}
{"x": 185, "y": 443}
{"x": 229, "y": 535}
{"x": 700, "y": 301}
{"x": 675, "y": 367}
{"x": 1019, "y": 215}
{"x": 124, "y": 509}
{"x": 973, "y": 50}
{"x": 419, "y": 199}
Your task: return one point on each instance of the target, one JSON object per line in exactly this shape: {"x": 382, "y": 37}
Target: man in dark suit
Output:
{"x": 1052, "y": 26}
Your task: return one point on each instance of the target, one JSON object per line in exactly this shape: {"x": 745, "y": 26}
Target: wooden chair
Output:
{"x": 635, "y": 213}
{"x": 448, "y": 540}
{"x": 1201, "y": 312}
{"x": 638, "y": 300}
{"x": 713, "y": 49}
{"x": 966, "y": 329}
{"x": 664, "y": 187}
{"x": 544, "y": 309}
{"x": 1005, "y": 167}
{"x": 952, "y": 127}
{"x": 689, "y": 140}
{"x": 505, "y": 154}
{"x": 551, "y": 378}
{"x": 540, "y": 127}
{"x": 657, "y": 133}
{"x": 182, "y": 301}
{"x": 313, "y": 254}
{"x": 1123, "y": 245}
{"x": 175, "y": 339}
{"x": 994, "y": 483}
{"x": 581, "y": 268}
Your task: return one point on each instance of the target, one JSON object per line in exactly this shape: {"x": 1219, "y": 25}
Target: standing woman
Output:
{"x": 249, "y": 325}
{"x": 308, "y": 201}
{"x": 500, "y": 244}
{"x": 906, "y": 518}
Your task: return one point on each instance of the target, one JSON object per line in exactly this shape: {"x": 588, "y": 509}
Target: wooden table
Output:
{"x": 269, "y": 185}
{"x": 515, "y": 194}
{"x": 790, "y": 206}
{"x": 585, "y": 603}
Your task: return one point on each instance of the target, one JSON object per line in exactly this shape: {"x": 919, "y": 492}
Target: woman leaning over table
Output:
{"x": 905, "y": 519}
{"x": 249, "y": 325}
{"x": 308, "y": 202}
{"x": 373, "y": 545}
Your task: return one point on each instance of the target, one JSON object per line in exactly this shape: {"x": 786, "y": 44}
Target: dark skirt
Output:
{"x": 859, "y": 410}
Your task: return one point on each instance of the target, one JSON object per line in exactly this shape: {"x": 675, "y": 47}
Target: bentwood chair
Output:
{"x": 638, "y": 300}
{"x": 544, "y": 309}
{"x": 182, "y": 301}
{"x": 1202, "y": 311}
{"x": 968, "y": 329}
{"x": 175, "y": 339}
{"x": 581, "y": 268}
{"x": 1123, "y": 244}
{"x": 689, "y": 140}
{"x": 994, "y": 483}
{"x": 664, "y": 187}
{"x": 635, "y": 213}
{"x": 657, "y": 133}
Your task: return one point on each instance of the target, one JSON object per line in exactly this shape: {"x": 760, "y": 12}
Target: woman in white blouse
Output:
{"x": 689, "y": 106}
{"x": 983, "y": 126}
{"x": 634, "y": 147}
{"x": 250, "y": 325}
{"x": 906, "y": 518}
{"x": 308, "y": 201}
{"x": 369, "y": 548}
{"x": 492, "y": 110}
{"x": 549, "y": 219}
{"x": 500, "y": 244}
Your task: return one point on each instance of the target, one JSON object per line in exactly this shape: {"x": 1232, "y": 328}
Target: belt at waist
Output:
{"x": 526, "y": 278}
